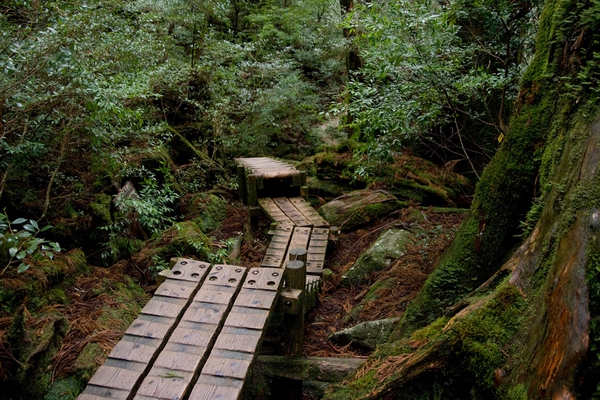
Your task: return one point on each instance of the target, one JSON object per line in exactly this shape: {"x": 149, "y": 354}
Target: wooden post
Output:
{"x": 241, "y": 173}
{"x": 334, "y": 237}
{"x": 298, "y": 254}
{"x": 295, "y": 278}
{"x": 251, "y": 190}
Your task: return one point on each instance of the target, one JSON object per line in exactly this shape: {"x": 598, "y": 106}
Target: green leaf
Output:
{"x": 44, "y": 229}
{"x": 24, "y": 234}
{"x": 21, "y": 255}
{"x": 19, "y": 221}
{"x": 29, "y": 228}
{"x": 23, "y": 267}
{"x": 34, "y": 224}
{"x": 12, "y": 251}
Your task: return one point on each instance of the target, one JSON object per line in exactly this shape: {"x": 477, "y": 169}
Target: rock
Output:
{"x": 358, "y": 208}
{"x": 366, "y": 334}
{"x": 207, "y": 210}
{"x": 388, "y": 247}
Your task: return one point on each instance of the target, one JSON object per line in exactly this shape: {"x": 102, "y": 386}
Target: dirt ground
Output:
{"x": 410, "y": 272}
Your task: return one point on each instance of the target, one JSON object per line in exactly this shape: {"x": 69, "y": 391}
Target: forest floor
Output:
{"x": 337, "y": 300}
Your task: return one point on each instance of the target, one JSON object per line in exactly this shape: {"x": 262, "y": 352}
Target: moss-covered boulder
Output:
{"x": 183, "y": 239}
{"x": 206, "y": 210}
{"x": 390, "y": 246}
{"x": 366, "y": 334}
{"x": 358, "y": 208}
{"x": 372, "y": 296}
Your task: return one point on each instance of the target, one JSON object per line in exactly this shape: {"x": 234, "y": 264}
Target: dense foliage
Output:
{"x": 440, "y": 76}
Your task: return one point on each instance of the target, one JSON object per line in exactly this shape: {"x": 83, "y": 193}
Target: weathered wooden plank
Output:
{"x": 256, "y": 298}
{"x": 187, "y": 349}
{"x": 273, "y": 211}
{"x": 115, "y": 377}
{"x": 150, "y": 326}
{"x": 245, "y": 317}
{"x": 92, "y": 392}
{"x": 180, "y": 357}
{"x": 225, "y": 275}
{"x": 211, "y": 387}
{"x": 263, "y": 278}
{"x": 299, "y": 239}
{"x": 228, "y": 364}
{"x": 164, "y": 384}
{"x": 188, "y": 270}
{"x": 310, "y": 213}
{"x": 238, "y": 339}
{"x": 193, "y": 333}
{"x": 135, "y": 348}
{"x": 276, "y": 252}
{"x": 317, "y": 250}
{"x": 164, "y": 306}
{"x": 205, "y": 313}
{"x": 173, "y": 288}
{"x": 291, "y": 212}
{"x": 215, "y": 294}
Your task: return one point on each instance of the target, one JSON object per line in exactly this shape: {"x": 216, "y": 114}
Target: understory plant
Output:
{"x": 20, "y": 246}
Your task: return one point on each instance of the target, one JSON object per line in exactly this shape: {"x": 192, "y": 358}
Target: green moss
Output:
{"x": 355, "y": 389}
{"x": 207, "y": 211}
{"x": 86, "y": 363}
{"x": 65, "y": 389}
{"x": 184, "y": 239}
{"x": 100, "y": 208}
{"x": 431, "y": 330}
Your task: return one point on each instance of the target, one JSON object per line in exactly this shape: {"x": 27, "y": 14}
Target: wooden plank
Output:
{"x": 310, "y": 213}
{"x": 193, "y": 333}
{"x": 228, "y": 364}
{"x": 276, "y": 252}
{"x": 135, "y": 348}
{"x": 188, "y": 270}
{"x": 174, "y": 288}
{"x": 245, "y": 317}
{"x": 165, "y": 384}
{"x": 299, "y": 239}
{"x": 225, "y": 275}
{"x": 256, "y": 298}
{"x": 273, "y": 211}
{"x": 150, "y": 326}
{"x": 187, "y": 349}
{"x": 263, "y": 278}
{"x": 238, "y": 339}
{"x": 205, "y": 313}
{"x": 291, "y": 212}
{"x": 116, "y": 378}
{"x": 92, "y": 392}
{"x": 211, "y": 387}
{"x": 317, "y": 250}
{"x": 164, "y": 306}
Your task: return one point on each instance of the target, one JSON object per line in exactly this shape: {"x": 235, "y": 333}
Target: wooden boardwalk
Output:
{"x": 197, "y": 337}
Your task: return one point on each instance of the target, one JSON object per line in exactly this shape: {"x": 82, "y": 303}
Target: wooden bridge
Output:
{"x": 197, "y": 337}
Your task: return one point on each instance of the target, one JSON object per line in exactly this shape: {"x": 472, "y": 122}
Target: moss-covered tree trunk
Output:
{"x": 501, "y": 318}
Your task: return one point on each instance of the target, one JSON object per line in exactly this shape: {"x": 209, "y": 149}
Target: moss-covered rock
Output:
{"x": 358, "y": 208}
{"x": 389, "y": 246}
{"x": 183, "y": 239}
{"x": 206, "y": 210}
{"x": 367, "y": 334}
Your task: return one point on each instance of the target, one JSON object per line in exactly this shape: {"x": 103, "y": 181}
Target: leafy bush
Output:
{"x": 19, "y": 239}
